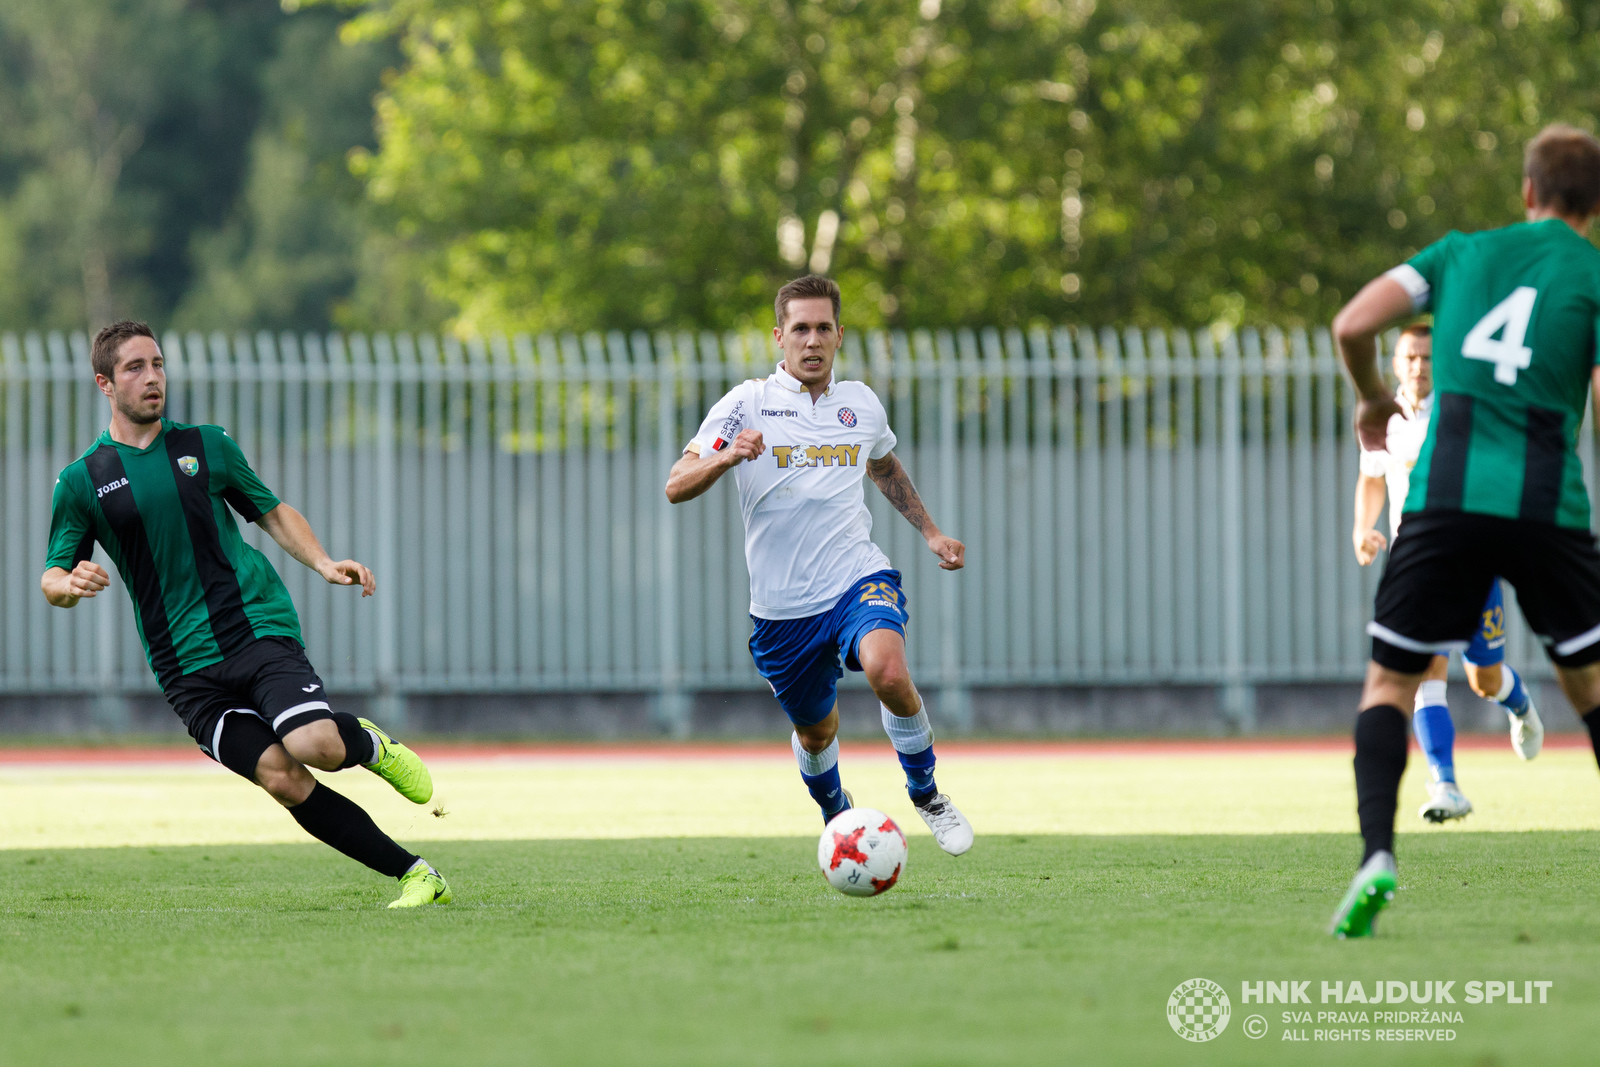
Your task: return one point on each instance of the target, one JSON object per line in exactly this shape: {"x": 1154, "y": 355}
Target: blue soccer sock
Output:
{"x": 1513, "y": 695}
{"x": 820, "y": 772}
{"x": 1435, "y": 732}
{"x": 912, "y": 738}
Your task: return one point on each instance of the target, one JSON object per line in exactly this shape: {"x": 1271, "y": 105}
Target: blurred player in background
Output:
{"x": 1388, "y": 472}
{"x": 217, "y": 624}
{"x": 819, "y": 588}
{"x": 1497, "y": 489}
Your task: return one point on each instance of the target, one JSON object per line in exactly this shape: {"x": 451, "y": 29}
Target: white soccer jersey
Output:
{"x": 807, "y": 530}
{"x": 1399, "y": 455}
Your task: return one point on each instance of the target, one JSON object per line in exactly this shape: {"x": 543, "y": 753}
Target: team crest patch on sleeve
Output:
{"x": 847, "y": 416}
{"x": 189, "y": 465}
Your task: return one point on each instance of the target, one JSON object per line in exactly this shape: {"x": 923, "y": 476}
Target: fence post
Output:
{"x": 1237, "y": 700}
{"x": 671, "y": 711}
{"x": 388, "y": 705}
{"x": 955, "y": 699}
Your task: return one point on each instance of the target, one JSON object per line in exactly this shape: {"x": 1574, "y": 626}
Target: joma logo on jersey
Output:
{"x": 816, "y": 455}
{"x": 104, "y": 489}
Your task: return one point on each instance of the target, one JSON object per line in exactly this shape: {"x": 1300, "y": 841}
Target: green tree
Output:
{"x": 643, "y": 162}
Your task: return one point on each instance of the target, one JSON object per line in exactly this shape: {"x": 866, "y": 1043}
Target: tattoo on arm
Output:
{"x": 890, "y": 476}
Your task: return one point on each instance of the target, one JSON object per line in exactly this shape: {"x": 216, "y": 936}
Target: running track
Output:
{"x": 591, "y": 750}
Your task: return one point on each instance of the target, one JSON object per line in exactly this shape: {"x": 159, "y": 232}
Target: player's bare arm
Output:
{"x": 65, "y": 588}
{"x": 694, "y": 474}
{"x": 1380, "y": 304}
{"x": 291, "y": 530}
{"x": 890, "y": 476}
{"x": 1370, "y": 494}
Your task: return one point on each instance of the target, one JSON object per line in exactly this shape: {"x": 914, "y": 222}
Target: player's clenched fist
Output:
{"x": 1368, "y": 545}
{"x": 87, "y": 579}
{"x": 748, "y": 445}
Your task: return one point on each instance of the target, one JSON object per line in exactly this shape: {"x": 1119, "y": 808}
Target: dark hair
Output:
{"x": 1417, "y": 329}
{"x": 800, "y": 288}
{"x": 109, "y": 341}
{"x": 1563, "y": 163}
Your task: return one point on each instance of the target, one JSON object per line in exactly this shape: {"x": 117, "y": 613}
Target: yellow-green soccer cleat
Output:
{"x": 1370, "y": 892}
{"x": 400, "y": 767}
{"x": 421, "y": 886}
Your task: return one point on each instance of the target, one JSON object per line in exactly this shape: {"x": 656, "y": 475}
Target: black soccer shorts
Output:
{"x": 238, "y": 708}
{"x": 1431, "y": 597}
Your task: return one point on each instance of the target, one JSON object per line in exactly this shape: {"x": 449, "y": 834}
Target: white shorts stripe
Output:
{"x": 1582, "y": 641}
{"x": 310, "y": 705}
{"x": 1437, "y": 648}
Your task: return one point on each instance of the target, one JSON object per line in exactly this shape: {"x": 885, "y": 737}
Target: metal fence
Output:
{"x": 1138, "y": 507}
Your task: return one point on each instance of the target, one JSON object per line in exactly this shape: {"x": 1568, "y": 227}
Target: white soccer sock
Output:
{"x": 1508, "y": 682}
{"x": 377, "y": 749}
{"x": 815, "y": 763}
{"x": 1431, "y": 693}
{"x": 908, "y": 734}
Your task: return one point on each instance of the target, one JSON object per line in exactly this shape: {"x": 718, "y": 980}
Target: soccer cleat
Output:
{"x": 1369, "y": 893}
{"x": 400, "y": 767}
{"x": 1445, "y": 802}
{"x": 950, "y": 828}
{"x": 421, "y": 886}
{"x": 1527, "y": 732}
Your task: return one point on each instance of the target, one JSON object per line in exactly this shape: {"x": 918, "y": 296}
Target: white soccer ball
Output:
{"x": 862, "y": 852}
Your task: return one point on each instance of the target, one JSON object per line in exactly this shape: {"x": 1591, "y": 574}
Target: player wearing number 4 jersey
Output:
{"x": 1487, "y": 672}
{"x": 1498, "y": 487}
{"x": 820, "y": 590}
{"x": 218, "y": 626}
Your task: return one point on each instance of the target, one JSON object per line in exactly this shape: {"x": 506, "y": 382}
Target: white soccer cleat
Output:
{"x": 950, "y": 828}
{"x": 1445, "y": 802}
{"x": 1527, "y": 732}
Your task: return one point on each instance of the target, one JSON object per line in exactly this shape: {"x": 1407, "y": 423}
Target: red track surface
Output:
{"x": 1120, "y": 747}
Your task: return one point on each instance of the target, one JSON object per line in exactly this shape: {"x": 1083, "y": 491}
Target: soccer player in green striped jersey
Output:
{"x": 217, "y": 624}
{"x": 1498, "y": 487}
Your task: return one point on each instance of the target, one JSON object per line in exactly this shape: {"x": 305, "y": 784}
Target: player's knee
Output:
{"x": 818, "y": 736}
{"x": 317, "y": 744}
{"x": 1485, "y": 681}
{"x": 286, "y": 780}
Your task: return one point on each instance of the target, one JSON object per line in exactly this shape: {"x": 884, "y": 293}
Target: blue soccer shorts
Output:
{"x": 1488, "y": 647}
{"x": 799, "y": 658}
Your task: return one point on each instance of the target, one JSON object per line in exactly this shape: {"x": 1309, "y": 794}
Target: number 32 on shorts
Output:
{"x": 1509, "y": 318}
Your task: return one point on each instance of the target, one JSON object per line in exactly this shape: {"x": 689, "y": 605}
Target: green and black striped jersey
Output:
{"x": 1515, "y": 319}
{"x": 200, "y": 593}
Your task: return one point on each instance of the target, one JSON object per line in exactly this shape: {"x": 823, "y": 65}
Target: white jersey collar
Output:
{"x": 793, "y": 384}
{"x": 1423, "y": 407}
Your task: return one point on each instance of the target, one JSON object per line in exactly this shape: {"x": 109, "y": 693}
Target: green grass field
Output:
{"x": 1036, "y": 948}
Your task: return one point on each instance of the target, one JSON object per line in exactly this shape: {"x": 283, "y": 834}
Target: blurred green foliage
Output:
{"x": 551, "y": 164}
{"x": 585, "y": 163}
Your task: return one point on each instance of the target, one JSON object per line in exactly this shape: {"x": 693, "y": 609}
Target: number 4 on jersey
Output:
{"x": 1509, "y": 318}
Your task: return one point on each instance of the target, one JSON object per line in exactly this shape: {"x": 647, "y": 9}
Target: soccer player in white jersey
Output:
{"x": 799, "y": 443}
{"x": 1388, "y": 473}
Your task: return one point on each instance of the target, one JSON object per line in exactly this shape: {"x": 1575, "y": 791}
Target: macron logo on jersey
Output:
{"x": 816, "y": 455}
{"x": 780, "y": 413}
{"x": 104, "y": 489}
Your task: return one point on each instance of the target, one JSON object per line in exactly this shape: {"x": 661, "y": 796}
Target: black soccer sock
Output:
{"x": 336, "y": 820}
{"x": 1592, "y": 721}
{"x": 1380, "y": 761}
{"x": 358, "y": 747}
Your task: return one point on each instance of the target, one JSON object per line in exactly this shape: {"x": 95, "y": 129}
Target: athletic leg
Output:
{"x": 800, "y": 662}
{"x": 285, "y": 687}
{"x": 1431, "y": 721}
{"x": 1493, "y": 679}
{"x": 1436, "y": 733}
{"x": 871, "y": 620}
{"x": 816, "y": 750}
{"x": 882, "y": 654}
